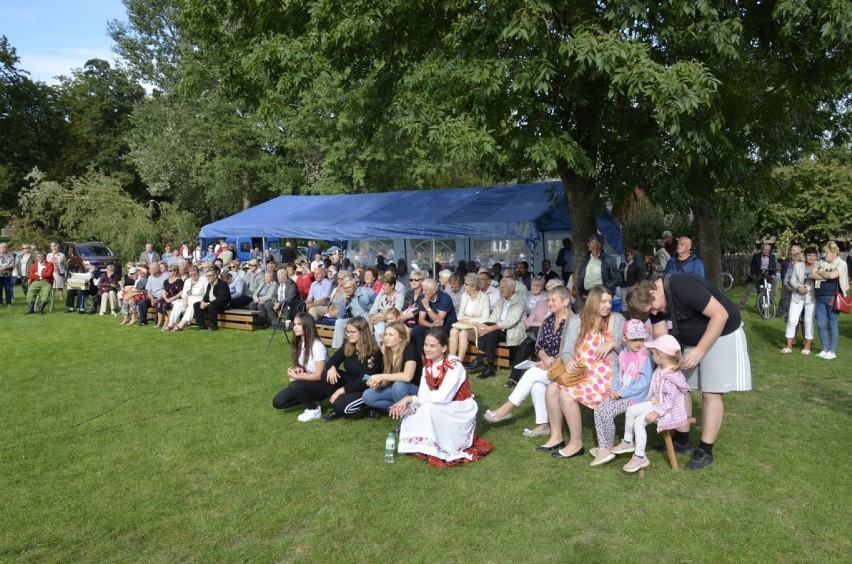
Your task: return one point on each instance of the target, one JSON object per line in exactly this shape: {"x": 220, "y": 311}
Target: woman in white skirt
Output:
{"x": 182, "y": 310}
{"x": 439, "y": 423}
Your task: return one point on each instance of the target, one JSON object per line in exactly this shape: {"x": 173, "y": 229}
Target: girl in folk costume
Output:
{"x": 664, "y": 404}
{"x": 439, "y": 423}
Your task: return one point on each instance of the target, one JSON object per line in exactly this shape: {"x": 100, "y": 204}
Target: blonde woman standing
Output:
{"x": 830, "y": 274}
{"x": 60, "y": 267}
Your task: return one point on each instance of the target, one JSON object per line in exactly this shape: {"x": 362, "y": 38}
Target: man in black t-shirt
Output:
{"x": 715, "y": 360}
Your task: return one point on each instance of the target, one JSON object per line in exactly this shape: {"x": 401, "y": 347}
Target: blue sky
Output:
{"x": 52, "y": 37}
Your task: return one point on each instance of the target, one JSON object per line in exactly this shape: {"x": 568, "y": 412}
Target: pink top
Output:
{"x": 537, "y": 315}
{"x": 667, "y": 392}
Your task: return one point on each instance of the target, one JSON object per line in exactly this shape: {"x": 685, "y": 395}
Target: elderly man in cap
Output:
{"x": 668, "y": 241}
{"x": 40, "y": 282}
{"x": 662, "y": 256}
{"x": 253, "y": 276}
{"x": 597, "y": 268}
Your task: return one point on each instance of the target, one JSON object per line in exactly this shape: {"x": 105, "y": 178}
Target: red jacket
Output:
{"x": 46, "y": 272}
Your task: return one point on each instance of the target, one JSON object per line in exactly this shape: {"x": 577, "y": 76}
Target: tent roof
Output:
{"x": 517, "y": 211}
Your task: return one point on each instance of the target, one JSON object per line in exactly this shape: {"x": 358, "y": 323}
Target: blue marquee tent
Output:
{"x": 516, "y": 211}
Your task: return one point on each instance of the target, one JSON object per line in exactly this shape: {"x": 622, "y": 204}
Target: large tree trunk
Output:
{"x": 579, "y": 191}
{"x": 707, "y": 246}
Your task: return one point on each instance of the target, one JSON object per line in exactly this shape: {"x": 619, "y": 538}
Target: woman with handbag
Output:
{"x": 831, "y": 284}
{"x": 132, "y": 293}
{"x": 107, "y": 285}
{"x": 535, "y": 380}
{"x": 475, "y": 308}
{"x": 590, "y": 356}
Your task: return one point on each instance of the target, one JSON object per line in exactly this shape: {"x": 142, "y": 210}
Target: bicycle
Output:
{"x": 766, "y": 306}
{"x": 727, "y": 281}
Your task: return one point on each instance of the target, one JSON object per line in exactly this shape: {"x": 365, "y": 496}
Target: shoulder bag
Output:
{"x": 559, "y": 374}
{"x": 841, "y": 302}
{"x": 672, "y": 309}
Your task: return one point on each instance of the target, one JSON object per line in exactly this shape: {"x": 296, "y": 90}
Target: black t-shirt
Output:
{"x": 354, "y": 369}
{"x": 691, "y": 294}
{"x": 410, "y": 353}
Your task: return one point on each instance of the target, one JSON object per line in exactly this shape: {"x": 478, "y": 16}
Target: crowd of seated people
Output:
{"x": 393, "y": 340}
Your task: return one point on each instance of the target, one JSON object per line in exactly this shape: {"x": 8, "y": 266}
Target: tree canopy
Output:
{"x": 696, "y": 102}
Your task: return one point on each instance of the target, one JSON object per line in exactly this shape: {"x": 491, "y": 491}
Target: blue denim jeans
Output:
{"x": 827, "y": 320}
{"x": 385, "y": 397}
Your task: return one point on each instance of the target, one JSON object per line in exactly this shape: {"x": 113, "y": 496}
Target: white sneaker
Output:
{"x": 830, "y": 356}
{"x": 786, "y": 350}
{"x": 310, "y": 415}
{"x": 623, "y": 448}
{"x": 821, "y": 354}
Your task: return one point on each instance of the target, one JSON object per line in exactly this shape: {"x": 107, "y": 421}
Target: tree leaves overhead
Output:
{"x": 521, "y": 89}
{"x": 815, "y": 201}
{"x": 151, "y": 42}
{"x": 99, "y": 101}
{"x": 32, "y": 125}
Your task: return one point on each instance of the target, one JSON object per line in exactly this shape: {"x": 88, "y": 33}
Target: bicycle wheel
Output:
{"x": 727, "y": 281}
{"x": 765, "y": 306}
{"x": 771, "y": 308}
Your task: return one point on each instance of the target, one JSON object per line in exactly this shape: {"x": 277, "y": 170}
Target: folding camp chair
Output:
{"x": 280, "y": 323}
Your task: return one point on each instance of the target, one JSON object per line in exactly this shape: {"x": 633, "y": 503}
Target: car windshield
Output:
{"x": 94, "y": 251}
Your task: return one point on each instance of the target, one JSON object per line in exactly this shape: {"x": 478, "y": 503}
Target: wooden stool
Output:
{"x": 670, "y": 451}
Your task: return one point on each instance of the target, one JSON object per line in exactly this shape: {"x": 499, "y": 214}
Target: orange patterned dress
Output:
{"x": 594, "y": 388}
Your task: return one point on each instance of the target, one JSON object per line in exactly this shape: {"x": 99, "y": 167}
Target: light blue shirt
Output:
{"x": 236, "y": 286}
{"x": 319, "y": 290}
{"x": 155, "y": 284}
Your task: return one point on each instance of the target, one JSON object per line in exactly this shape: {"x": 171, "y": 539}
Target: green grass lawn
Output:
{"x": 128, "y": 444}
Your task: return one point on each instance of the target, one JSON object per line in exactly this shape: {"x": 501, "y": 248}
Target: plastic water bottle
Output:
{"x": 389, "y": 448}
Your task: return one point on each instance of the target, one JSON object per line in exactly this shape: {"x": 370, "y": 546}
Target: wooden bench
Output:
{"x": 240, "y": 319}
{"x": 325, "y": 334}
{"x": 667, "y": 438}
{"x": 503, "y": 360}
